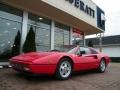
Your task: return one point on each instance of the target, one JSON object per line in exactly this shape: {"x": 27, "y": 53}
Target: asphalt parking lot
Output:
{"x": 110, "y": 80}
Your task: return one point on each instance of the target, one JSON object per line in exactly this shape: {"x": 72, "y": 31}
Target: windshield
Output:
{"x": 67, "y": 50}
{"x": 70, "y": 51}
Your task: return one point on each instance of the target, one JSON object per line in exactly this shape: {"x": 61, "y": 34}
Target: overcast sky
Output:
{"x": 112, "y": 14}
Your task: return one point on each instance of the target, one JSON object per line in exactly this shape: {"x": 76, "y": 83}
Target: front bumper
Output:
{"x": 34, "y": 68}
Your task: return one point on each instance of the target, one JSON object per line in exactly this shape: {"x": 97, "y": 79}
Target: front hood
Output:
{"x": 28, "y": 57}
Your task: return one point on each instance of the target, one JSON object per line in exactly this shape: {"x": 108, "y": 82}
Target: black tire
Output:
{"x": 67, "y": 70}
{"x": 102, "y": 66}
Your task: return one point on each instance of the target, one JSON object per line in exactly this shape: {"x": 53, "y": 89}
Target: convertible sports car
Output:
{"x": 60, "y": 64}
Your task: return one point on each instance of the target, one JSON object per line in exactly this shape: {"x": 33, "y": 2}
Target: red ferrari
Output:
{"x": 60, "y": 64}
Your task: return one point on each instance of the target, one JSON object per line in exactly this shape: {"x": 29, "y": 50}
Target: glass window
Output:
{"x": 39, "y": 21}
{"x": 10, "y": 32}
{"x": 41, "y": 27}
{"x": 62, "y": 36}
{"x": 93, "y": 51}
{"x": 87, "y": 51}
{"x": 10, "y": 13}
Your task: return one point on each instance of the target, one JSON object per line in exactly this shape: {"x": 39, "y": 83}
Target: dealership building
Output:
{"x": 56, "y": 23}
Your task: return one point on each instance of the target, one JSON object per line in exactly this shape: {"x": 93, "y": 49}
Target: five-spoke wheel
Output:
{"x": 64, "y": 69}
{"x": 102, "y": 66}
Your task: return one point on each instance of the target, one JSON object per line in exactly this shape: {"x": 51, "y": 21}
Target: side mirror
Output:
{"x": 82, "y": 52}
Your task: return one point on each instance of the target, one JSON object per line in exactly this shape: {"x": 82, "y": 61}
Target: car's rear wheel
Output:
{"x": 64, "y": 69}
{"x": 102, "y": 66}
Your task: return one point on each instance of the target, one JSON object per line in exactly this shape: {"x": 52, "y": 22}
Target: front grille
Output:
{"x": 17, "y": 66}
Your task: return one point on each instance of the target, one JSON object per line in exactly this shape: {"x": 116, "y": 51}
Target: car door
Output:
{"x": 94, "y": 54}
{"x": 91, "y": 59}
{"x": 86, "y": 60}
{"x": 80, "y": 60}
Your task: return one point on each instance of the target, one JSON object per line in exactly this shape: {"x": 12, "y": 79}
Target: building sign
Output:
{"x": 83, "y": 7}
{"x": 78, "y": 31}
{"x": 100, "y": 18}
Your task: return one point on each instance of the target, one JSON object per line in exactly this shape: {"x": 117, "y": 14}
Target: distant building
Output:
{"x": 110, "y": 45}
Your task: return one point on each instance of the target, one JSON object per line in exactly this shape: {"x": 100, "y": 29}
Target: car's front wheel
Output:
{"x": 102, "y": 66}
{"x": 64, "y": 69}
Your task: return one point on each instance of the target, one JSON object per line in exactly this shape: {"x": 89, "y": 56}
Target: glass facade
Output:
{"x": 42, "y": 29}
{"x": 62, "y": 36}
{"x": 10, "y": 31}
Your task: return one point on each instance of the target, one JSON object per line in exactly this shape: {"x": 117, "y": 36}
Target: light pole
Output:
{"x": 100, "y": 41}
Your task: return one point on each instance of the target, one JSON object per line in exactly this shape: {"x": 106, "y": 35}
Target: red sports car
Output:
{"x": 60, "y": 64}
